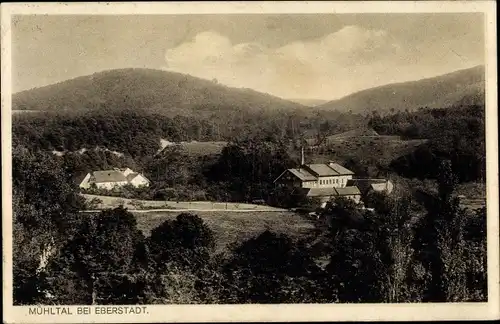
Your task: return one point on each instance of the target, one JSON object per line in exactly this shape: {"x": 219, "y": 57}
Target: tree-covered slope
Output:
{"x": 460, "y": 87}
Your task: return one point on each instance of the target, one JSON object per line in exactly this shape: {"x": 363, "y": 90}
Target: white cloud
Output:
{"x": 348, "y": 60}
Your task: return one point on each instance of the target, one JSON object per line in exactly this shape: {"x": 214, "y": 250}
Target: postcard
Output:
{"x": 249, "y": 161}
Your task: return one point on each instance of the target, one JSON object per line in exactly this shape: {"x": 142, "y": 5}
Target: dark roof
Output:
{"x": 352, "y": 190}
{"x": 321, "y": 170}
{"x": 302, "y": 174}
{"x": 340, "y": 169}
{"x": 323, "y": 192}
{"x": 108, "y": 176}
{"x": 311, "y": 172}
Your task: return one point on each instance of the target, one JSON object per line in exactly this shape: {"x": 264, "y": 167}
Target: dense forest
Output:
{"x": 456, "y": 134}
{"x": 138, "y": 132}
{"x": 382, "y": 256}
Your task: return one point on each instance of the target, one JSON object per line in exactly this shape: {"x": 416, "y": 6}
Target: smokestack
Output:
{"x": 302, "y": 162}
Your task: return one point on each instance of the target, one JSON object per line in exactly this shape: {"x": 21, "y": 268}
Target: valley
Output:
{"x": 190, "y": 189}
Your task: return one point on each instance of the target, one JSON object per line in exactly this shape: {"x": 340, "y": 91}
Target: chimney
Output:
{"x": 302, "y": 161}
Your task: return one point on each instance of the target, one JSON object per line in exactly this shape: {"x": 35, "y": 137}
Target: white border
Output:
{"x": 270, "y": 313}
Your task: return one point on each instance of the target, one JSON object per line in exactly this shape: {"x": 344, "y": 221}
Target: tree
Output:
{"x": 249, "y": 167}
{"x": 106, "y": 247}
{"x": 393, "y": 219}
{"x": 185, "y": 240}
{"x": 270, "y": 268}
{"x": 181, "y": 254}
{"x": 45, "y": 206}
{"x": 371, "y": 254}
{"x": 476, "y": 256}
{"x": 357, "y": 265}
{"x": 441, "y": 242}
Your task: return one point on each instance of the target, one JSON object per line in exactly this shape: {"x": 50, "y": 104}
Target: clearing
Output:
{"x": 363, "y": 145}
{"x": 373, "y": 150}
{"x": 195, "y": 148}
{"x": 234, "y": 227}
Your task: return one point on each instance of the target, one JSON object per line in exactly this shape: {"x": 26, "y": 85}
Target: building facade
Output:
{"x": 111, "y": 179}
{"x": 320, "y": 181}
{"x": 329, "y": 175}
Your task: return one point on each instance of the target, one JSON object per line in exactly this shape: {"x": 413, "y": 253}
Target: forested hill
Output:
{"x": 463, "y": 87}
{"x": 130, "y": 110}
{"x": 157, "y": 91}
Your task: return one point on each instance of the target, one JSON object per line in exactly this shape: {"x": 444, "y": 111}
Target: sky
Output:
{"x": 315, "y": 56}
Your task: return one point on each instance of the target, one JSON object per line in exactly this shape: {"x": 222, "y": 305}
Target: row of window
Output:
{"x": 330, "y": 181}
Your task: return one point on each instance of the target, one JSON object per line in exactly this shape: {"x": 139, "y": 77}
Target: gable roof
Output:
{"x": 323, "y": 192}
{"x": 346, "y": 191}
{"x": 340, "y": 169}
{"x": 133, "y": 175}
{"x": 302, "y": 174}
{"x": 311, "y": 172}
{"x": 322, "y": 170}
{"x": 108, "y": 176}
{"x": 79, "y": 177}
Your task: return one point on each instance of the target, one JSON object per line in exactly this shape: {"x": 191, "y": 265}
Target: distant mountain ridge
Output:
{"x": 309, "y": 102}
{"x": 158, "y": 91}
{"x": 460, "y": 87}
{"x": 172, "y": 94}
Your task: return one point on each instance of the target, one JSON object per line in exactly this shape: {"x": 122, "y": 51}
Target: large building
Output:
{"x": 320, "y": 181}
{"x": 110, "y": 179}
{"x": 327, "y": 181}
{"x": 329, "y": 175}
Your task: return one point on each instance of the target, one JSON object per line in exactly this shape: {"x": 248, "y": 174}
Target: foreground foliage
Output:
{"x": 389, "y": 255}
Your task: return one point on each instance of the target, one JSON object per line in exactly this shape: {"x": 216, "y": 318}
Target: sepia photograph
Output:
{"x": 248, "y": 157}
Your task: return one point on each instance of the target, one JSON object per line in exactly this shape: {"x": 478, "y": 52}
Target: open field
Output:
{"x": 231, "y": 227}
{"x": 113, "y": 202}
{"x": 372, "y": 150}
{"x": 196, "y": 148}
{"x": 203, "y": 148}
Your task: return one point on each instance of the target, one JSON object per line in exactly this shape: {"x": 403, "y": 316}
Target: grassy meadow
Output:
{"x": 234, "y": 227}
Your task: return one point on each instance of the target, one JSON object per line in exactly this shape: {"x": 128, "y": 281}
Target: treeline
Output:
{"x": 244, "y": 170}
{"x": 456, "y": 134}
{"x": 131, "y": 132}
{"x": 390, "y": 255}
{"x": 137, "y": 132}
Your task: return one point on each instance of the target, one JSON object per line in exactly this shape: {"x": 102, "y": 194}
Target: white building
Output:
{"x": 109, "y": 179}
{"x": 330, "y": 175}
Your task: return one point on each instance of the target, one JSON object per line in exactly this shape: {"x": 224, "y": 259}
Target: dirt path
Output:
{"x": 176, "y": 206}
{"x": 195, "y": 210}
